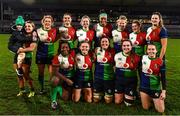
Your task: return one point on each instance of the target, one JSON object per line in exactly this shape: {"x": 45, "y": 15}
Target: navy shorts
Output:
{"x": 79, "y": 84}
{"x": 152, "y": 93}
{"x": 44, "y": 60}
{"x": 126, "y": 85}
{"x": 104, "y": 86}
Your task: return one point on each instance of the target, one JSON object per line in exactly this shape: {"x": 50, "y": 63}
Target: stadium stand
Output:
{"x": 10, "y": 9}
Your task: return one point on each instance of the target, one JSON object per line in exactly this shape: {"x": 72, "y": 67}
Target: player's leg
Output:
{"x": 119, "y": 90}
{"x": 158, "y": 103}
{"x": 53, "y": 93}
{"x": 77, "y": 90}
{"x": 66, "y": 91}
{"x": 98, "y": 90}
{"x": 26, "y": 69}
{"x": 145, "y": 100}
{"x": 109, "y": 90}
{"x": 87, "y": 91}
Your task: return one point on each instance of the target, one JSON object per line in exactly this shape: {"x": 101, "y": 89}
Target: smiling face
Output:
{"x": 155, "y": 20}
{"x": 126, "y": 47}
{"x": 65, "y": 49}
{"x": 121, "y": 23}
{"x": 85, "y": 23}
{"x": 47, "y": 23}
{"x": 103, "y": 21}
{"x": 67, "y": 19}
{"x": 151, "y": 51}
{"x": 135, "y": 27}
{"x": 29, "y": 27}
{"x": 84, "y": 48}
{"x": 104, "y": 43}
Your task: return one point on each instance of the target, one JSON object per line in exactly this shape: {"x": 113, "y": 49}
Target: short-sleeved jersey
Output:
{"x": 150, "y": 78}
{"x": 100, "y": 30}
{"x": 104, "y": 64}
{"x": 118, "y": 36}
{"x": 84, "y": 67}
{"x": 83, "y": 35}
{"x": 138, "y": 41}
{"x": 46, "y": 49}
{"x": 65, "y": 63}
{"x": 72, "y": 34}
{"x": 155, "y": 35}
{"x": 126, "y": 66}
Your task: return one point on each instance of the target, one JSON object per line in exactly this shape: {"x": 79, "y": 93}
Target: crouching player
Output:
{"x": 63, "y": 69}
{"x": 83, "y": 80}
{"x": 150, "y": 87}
{"x": 104, "y": 74}
{"x": 126, "y": 64}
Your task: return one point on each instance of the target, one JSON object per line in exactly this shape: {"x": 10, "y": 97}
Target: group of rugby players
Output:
{"x": 103, "y": 62}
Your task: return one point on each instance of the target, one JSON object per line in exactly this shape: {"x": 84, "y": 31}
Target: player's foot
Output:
{"x": 20, "y": 93}
{"x": 31, "y": 94}
{"x": 54, "y": 105}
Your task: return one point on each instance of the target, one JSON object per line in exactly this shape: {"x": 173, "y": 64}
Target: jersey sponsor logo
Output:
{"x": 149, "y": 71}
{"x": 85, "y": 66}
{"x": 126, "y": 65}
{"x": 136, "y": 43}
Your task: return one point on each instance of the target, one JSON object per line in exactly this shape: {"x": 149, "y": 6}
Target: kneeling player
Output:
{"x": 150, "y": 87}
{"x": 104, "y": 74}
{"x": 63, "y": 65}
{"x": 83, "y": 80}
{"x": 126, "y": 64}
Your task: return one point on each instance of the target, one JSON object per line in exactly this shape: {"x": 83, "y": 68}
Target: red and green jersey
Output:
{"x": 138, "y": 41}
{"x": 72, "y": 35}
{"x": 118, "y": 36}
{"x": 28, "y": 54}
{"x": 45, "y": 46}
{"x": 83, "y": 35}
{"x": 65, "y": 63}
{"x": 155, "y": 35}
{"x": 104, "y": 64}
{"x": 84, "y": 67}
{"x": 102, "y": 31}
{"x": 126, "y": 66}
{"x": 150, "y": 78}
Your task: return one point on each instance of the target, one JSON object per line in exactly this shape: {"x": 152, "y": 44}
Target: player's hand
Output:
{"x": 163, "y": 95}
{"x": 20, "y": 50}
{"x": 69, "y": 82}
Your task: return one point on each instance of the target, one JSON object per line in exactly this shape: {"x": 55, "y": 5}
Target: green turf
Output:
{"x": 10, "y": 104}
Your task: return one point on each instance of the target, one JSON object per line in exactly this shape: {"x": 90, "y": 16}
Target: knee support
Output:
{"x": 97, "y": 97}
{"x": 108, "y": 98}
{"x": 128, "y": 102}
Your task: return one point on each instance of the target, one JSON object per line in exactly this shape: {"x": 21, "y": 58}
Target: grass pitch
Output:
{"x": 10, "y": 104}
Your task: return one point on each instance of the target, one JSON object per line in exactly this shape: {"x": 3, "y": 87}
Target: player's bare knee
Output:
{"x": 160, "y": 109}
{"x": 145, "y": 106}
{"x": 97, "y": 97}
{"x": 118, "y": 101}
{"x": 108, "y": 98}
